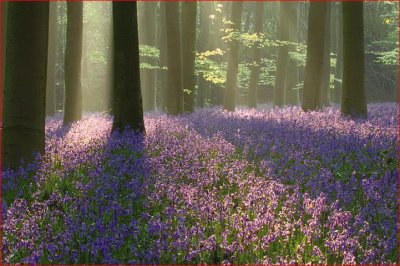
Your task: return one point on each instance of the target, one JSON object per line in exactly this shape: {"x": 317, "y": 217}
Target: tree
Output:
{"x": 162, "y": 46}
{"x": 283, "y": 55}
{"x": 233, "y": 57}
{"x": 255, "y": 70}
{"x": 189, "y": 12}
{"x": 51, "y": 61}
{"x": 174, "y": 63}
{"x": 339, "y": 56}
{"x": 203, "y": 45}
{"x": 73, "y": 60}
{"x": 126, "y": 78}
{"x": 326, "y": 70}
{"x": 25, "y": 82}
{"x": 315, "y": 57}
{"x": 148, "y": 36}
{"x": 353, "y": 90}
{"x": 4, "y": 12}
{"x": 292, "y": 72}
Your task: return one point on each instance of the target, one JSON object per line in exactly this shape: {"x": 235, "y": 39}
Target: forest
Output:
{"x": 199, "y": 132}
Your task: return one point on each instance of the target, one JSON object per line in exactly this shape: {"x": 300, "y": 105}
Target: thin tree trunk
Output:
{"x": 162, "y": 73}
{"x": 174, "y": 47}
{"x": 233, "y": 59}
{"x": 315, "y": 57}
{"x": 353, "y": 92}
{"x": 203, "y": 45}
{"x": 326, "y": 71}
{"x": 127, "y": 96}
{"x": 24, "y": 101}
{"x": 255, "y": 70}
{"x": 189, "y": 13}
{"x": 149, "y": 37}
{"x": 339, "y": 56}
{"x": 283, "y": 55}
{"x": 73, "y": 61}
{"x": 292, "y": 76}
{"x": 4, "y": 12}
{"x": 51, "y": 61}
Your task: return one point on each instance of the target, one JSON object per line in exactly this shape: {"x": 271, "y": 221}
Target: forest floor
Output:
{"x": 253, "y": 186}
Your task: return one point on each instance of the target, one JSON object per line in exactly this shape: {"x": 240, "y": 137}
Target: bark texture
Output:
{"x": 233, "y": 59}
{"x": 25, "y": 82}
{"x": 174, "y": 64}
{"x": 353, "y": 90}
{"x": 315, "y": 57}
{"x": 73, "y": 61}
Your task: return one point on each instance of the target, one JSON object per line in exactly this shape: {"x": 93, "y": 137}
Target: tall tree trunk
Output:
{"x": 353, "y": 91}
{"x": 326, "y": 70}
{"x": 148, "y": 37}
{"x": 292, "y": 76}
{"x": 162, "y": 73}
{"x": 339, "y": 56}
{"x": 4, "y": 12}
{"x": 51, "y": 61}
{"x": 233, "y": 59}
{"x": 73, "y": 61}
{"x": 24, "y": 101}
{"x": 127, "y": 96}
{"x": 283, "y": 55}
{"x": 315, "y": 57}
{"x": 255, "y": 70}
{"x": 175, "y": 85}
{"x": 203, "y": 45}
{"x": 189, "y": 14}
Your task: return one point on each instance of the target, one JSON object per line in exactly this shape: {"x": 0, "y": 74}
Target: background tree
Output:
{"x": 127, "y": 96}
{"x": 162, "y": 46}
{"x": 315, "y": 57}
{"x": 339, "y": 54}
{"x": 353, "y": 90}
{"x": 255, "y": 70}
{"x": 292, "y": 71}
{"x": 73, "y": 60}
{"x": 174, "y": 51}
{"x": 25, "y": 82}
{"x": 233, "y": 57}
{"x": 148, "y": 36}
{"x": 283, "y": 54}
{"x": 326, "y": 70}
{"x": 189, "y": 15}
{"x": 4, "y": 12}
{"x": 51, "y": 61}
{"x": 202, "y": 46}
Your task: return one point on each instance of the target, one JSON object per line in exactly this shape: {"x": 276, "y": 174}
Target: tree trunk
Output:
{"x": 353, "y": 91}
{"x": 189, "y": 13}
{"x": 255, "y": 70}
{"x": 127, "y": 96}
{"x": 203, "y": 45}
{"x": 233, "y": 59}
{"x": 24, "y": 102}
{"x": 283, "y": 55}
{"x": 174, "y": 48}
{"x": 51, "y": 61}
{"x": 339, "y": 56}
{"x": 315, "y": 57}
{"x": 73, "y": 60}
{"x": 292, "y": 76}
{"x": 4, "y": 12}
{"x": 162, "y": 73}
{"x": 326, "y": 70}
{"x": 148, "y": 37}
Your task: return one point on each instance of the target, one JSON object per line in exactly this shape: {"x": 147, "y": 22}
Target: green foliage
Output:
{"x": 390, "y": 58}
{"x": 149, "y": 51}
